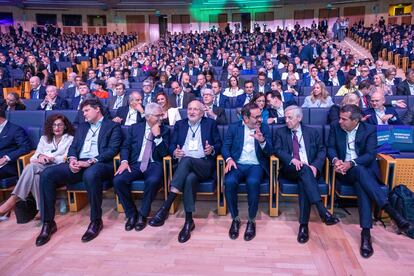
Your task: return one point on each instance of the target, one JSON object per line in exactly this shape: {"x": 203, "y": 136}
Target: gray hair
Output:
{"x": 151, "y": 108}
{"x": 51, "y": 87}
{"x": 296, "y": 109}
{"x": 207, "y": 90}
{"x": 132, "y": 94}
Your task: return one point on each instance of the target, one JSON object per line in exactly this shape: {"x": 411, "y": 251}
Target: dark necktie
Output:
{"x": 146, "y": 99}
{"x": 147, "y": 153}
{"x": 295, "y": 143}
{"x": 178, "y": 101}
{"x": 215, "y": 101}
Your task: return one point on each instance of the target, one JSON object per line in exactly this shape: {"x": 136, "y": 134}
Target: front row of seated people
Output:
{"x": 194, "y": 146}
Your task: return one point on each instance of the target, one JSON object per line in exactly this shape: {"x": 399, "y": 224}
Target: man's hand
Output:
{"x": 117, "y": 120}
{"x": 140, "y": 109}
{"x": 124, "y": 166}
{"x": 208, "y": 149}
{"x": 3, "y": 161}
{"x": 297, "y": 163}
{"x": 258, "y": 135}
{"x": 178, "y": 152}
{"x": 400, "y": 104}
{"x": 342, "y": 167}
{"x": 386, "y": 117}
{"x": 73, "y": 166}
{"x": 230, "y": 164}
{"x": 156, "y": 130}
{"x": 209, "y": 111}
{"x": 314, "y": 170}
{"x": 84, "y": 164}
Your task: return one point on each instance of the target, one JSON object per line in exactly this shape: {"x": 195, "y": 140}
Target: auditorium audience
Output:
{"x": 319, "y": 97}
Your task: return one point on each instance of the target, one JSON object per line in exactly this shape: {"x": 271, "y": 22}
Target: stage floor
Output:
{"x": 331, "y": 250}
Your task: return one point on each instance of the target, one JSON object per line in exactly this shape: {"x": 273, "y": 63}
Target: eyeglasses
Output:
{"x": 58, "y": 125}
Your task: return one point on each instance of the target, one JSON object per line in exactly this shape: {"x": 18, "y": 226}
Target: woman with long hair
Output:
{"x": 51, "y": 150}
{"x": 350, "y": 86}
{"x": 319, "y": 96}
{"x": 170, "y": 114}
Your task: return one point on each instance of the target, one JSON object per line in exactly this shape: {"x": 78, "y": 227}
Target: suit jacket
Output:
{"x": 42, "y": 93}
{"x": 315, "y": 150}
{"x": 365, "y": 145}
{"x": 209, "y": 132}
{"x": 273, "y": 112}
{"x": 224, "y": 101}
{"x": 188, "y": 97}
{"x": 341, "y": 79}
{"x": 122, "y": 112}
{"x": 109, "y": 140}
{"x": 241, "y": 99}
{"x": 298, "y": 89}
{"x": 131, "y": 147}
{"x": 221, "y": 115}
{"x": 373, "y": 120}
{"x": 196, "y": 71}
{"x": 14, "y": 142}
{"x": 233, "y": 144}
{"x": 275, "y": 74}
{"x": 75, "y": 103}
{"x": 403, "y": 88}
{"x": 112, "y": 100}
{"x": 307, "y": 80}
{"x": 267, "y": 87}
{"x": 60, "y": 104}
{"x": 373, "y": 72}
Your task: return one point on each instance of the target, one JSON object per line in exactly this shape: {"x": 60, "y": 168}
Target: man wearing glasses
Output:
{"x": 364, "y": 76}
{"x": 194, "y": 146}
{"x": 246, "y": 149}
{"x": 144, "y": 147}
{"x": 352, "y": 151}
{"x": 302, "y": 155}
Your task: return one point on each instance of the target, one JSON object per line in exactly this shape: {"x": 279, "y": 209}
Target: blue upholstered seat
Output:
{"x": 80, "y": 186}
{"x": 6, "y": 183}
{"x": 291, "y": 187}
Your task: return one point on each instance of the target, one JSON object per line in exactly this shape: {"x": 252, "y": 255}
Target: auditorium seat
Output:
{"x": 333, "y": 89}
{"x": 388, "y": 99}
{"x": 70, "y": 114}
{"x": 307, "y": 90}
{"x": 78, "y": 196}
{"x": 318, "y": 116}
{"x": 26, "y": 118}
{"x": 306, "y": 116}
{"x": 62, "y": 65}
{"x": 32, "y": 104}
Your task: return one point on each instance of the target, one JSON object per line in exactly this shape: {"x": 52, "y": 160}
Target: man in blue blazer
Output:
{"x": 90, "y": 160}
{"x": 378, "y": 114}
{"x": 77, "y": 101}
{"x": 332, "y": 78}
{"x": 37, "y": 90}
{"x": 247, "y": 148}
{"x": 144, "y": 147}
{"x": 195, "y": 144}
{"x": 352, "y": 151}
{"x": 302, "y": 155}
{"x": 52, "y": 100}
{"x": 220, "y": 100}
{"x": 13, "y": 144}
{"x": 271, "y": 70}
{"x": 276, "y": 107}
{"x": 312, "y": 78}
{"x": 246, "y": 97}
{"x": 132, "y": 113}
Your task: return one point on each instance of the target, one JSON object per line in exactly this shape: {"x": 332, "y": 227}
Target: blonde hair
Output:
{"x": 324, "y": 92}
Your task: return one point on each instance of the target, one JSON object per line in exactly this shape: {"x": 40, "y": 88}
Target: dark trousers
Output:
{"x": 60, "y": 175}
{"x": 8, "y": 170}
{"x": 152, "y": 179}
{"x": 187, "y": 175}
{"x": 307, "y": 186}
{"x": 367, "y": 188}
{"x": 252, "y": 175}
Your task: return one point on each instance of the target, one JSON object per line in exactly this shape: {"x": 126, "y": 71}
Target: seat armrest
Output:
{"x": 167, "y": 168}
{"x": 117, "y": 162}
{"x": 23, "y": 161}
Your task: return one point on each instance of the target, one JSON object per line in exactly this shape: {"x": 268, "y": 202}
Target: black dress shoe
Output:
{"x": 93, "y": 230}
{"x": 48, "y": 229}
{"x": 130, "y": 224}
{"x": 185, "y": 233}
{"x": 234, "y": 229}
{"x": 250, "y": 232}
{"x": 141, "y": 222}
{"x": 303, "y": 235}
{"x": 366, "y": 249}
{"x": 330, "y": 219}
{"x": 159, "y": 218}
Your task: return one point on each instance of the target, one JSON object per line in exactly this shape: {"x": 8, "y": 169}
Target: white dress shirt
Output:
{"x": 131, "y": 117}
{"x": 248, "y": 155}
{"x": 118, "y": 102}
{"x": 2, "y": 126}
{"x": 302, "y": 149}
{"x": 193, "y": 146}
{"x": 350, "y": 144}
{"x": 90, "y": 145}
{"x": 157, "y": 141}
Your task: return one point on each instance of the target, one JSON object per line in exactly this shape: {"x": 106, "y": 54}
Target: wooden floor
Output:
{"x": 331, "y": 250}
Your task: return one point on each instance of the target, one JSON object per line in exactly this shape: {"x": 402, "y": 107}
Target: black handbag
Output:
{"x": 25, "y": 210}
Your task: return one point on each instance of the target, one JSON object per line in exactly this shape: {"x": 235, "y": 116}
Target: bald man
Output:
{"x": 37, "y": 91}
{"x": 378, "y": 114}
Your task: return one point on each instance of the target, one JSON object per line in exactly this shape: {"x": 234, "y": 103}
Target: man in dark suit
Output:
{"x": 378, "y": 69}
{"x": 311, "y": 51}
{"x": 37, "y": 90}
{"x": 195, "y": 144}
{"x": 276, "y": 107}
{"x": 312, "y": 78}
{"x": 378, "y": 114}
{"x": 332, "y": 78}
{"x": 271, "y": 71}
{"x": 149, "y": 91}
{"x": 90, "y": 160}
{"x": 247, "y": 96}
{"x": 121, "y": 99}
{"x": 212, "y": 111}
{"x": 200, "y": 85}
{"x": 142, "y": 152}
{"x": 191, "y": 70}
{"x": 73, "y": 91}
{"x": 132, "y": 113}
{"x": 13, "y": 144}
{"x": 77, "y": 101}
{"x": 52, "y": 100}
{"x": 376, "y": 40}
{"x": 291, "y": 89}
{"x": 247, "y": 147}
{"x": 363, "y": 91}
{"x": 261, "y": 84}
{"x": 179, "y": 98}
{"x": 352, "y": 151}
{"x": 302, "y": 155}
{"x": 407, "y": 86}
{"x": 220, "y": 100}
{"x": 364, "y": 75}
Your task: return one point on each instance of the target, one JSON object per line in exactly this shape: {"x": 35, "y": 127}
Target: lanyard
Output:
{"x": 194, "y": 131}
{"x": 97, "y": 129}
